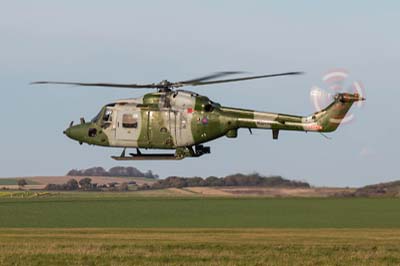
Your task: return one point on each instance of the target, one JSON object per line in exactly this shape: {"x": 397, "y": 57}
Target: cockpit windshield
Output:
{"x": 104, "y": 115}
{"x": 97, "y": 117}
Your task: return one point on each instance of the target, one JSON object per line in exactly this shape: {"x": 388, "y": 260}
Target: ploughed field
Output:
{"x": 124, "y": 229}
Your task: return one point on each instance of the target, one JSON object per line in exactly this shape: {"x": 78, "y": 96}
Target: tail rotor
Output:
{"x": 335, "y": 83}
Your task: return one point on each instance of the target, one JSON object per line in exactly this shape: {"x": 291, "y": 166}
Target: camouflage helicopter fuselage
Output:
{"x": 181, "y": 120}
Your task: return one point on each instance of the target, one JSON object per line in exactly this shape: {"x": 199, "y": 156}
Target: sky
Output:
{"x": 148, "y": 41}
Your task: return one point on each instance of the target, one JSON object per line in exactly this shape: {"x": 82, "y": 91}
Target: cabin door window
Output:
{"x": 127, "y": 125}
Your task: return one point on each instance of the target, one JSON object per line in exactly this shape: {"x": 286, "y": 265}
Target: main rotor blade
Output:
{"x": 211, "y": 76}
{"x": 244, "y": 78}
{"x": 167, "y": 85}
{"x": 133, "y": 86}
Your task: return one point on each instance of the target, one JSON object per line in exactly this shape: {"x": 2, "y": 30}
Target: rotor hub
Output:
{"x": 165, "y": 83}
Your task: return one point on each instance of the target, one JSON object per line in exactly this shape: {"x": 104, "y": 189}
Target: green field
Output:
{"x": 90, "y": 210}
{"x": 126, "y": 229}
{"x": 13, "y": 181}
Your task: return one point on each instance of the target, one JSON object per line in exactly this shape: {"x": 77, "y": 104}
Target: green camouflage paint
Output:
{"x": 89, "y": 133}
{"x": 180, "y": 119}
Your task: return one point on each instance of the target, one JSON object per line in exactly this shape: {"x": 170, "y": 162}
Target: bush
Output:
{"x": 145, "y": 186}
{"x": 72, "y": 184}
{"x": 124, "y": 187}
{"x": 22, "y": 182}
{"x": 85, "y": 183}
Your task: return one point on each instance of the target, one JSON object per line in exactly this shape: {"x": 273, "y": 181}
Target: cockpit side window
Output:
{"x": 129, "y": 121}
{"x": 108, "y": 115}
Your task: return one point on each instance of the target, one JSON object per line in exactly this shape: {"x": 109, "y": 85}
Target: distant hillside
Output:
{"x": 389, "y": 189}
{"x": 231, "y": 185}
{"x": 115, "y": 171}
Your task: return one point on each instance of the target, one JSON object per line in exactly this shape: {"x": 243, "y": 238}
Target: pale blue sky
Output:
{"x": 147, "y": 41}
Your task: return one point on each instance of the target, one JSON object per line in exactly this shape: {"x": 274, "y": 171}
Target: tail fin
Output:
{"x": 330, "y": 118}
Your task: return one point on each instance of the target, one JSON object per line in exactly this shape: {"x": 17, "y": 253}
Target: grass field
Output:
{"x": 125, "y": 210}
{"x": 199, "y": 247}
{"x": 127, "y": 229}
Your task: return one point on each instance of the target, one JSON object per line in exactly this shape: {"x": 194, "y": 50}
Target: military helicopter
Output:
{"x": 181, "y": 120}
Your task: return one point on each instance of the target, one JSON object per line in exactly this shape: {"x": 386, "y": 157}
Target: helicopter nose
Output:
{"x": 75, "y": 132}
{"x": 67, "y": 131}
{"x": 70, "y": 132}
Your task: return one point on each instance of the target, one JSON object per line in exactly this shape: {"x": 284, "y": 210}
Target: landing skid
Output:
{"x": 143, "y": 157}
{"x": 179, "y": 154}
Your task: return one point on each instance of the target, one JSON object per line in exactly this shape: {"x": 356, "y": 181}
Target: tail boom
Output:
{"x": 326, "y": 120}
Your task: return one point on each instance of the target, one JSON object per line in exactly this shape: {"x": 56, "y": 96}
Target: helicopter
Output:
{"x": 175, "y": 119}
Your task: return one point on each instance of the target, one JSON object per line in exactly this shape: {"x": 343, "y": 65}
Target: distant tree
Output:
{"x": 195, "y": 182}
{"x": 149, "y": 174}
{"x": 175, "y": 181}
{"x": 124, "y": 187}
{"x": 145, "y": 186}
{"x": 112, "y": 184}
{"x": 213, "y": 181}
{"x": 85, "y": 183}
{"x": 72, "y": 184}
{"x": 74, "y": 172}
{"x": 115, "y": 171}
{"x": 230, "y": 181}
{"x": 125, "y": 172}
{"x": 95, "y": 171}
{"x": 22, "y": 182}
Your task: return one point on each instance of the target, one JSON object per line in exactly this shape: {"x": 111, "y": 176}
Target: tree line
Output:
{"x": 231, "y": 180}
{"x": 250, "y": 180}
{"x": 115, "y": 171}
{"x": 86, "y": 184}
